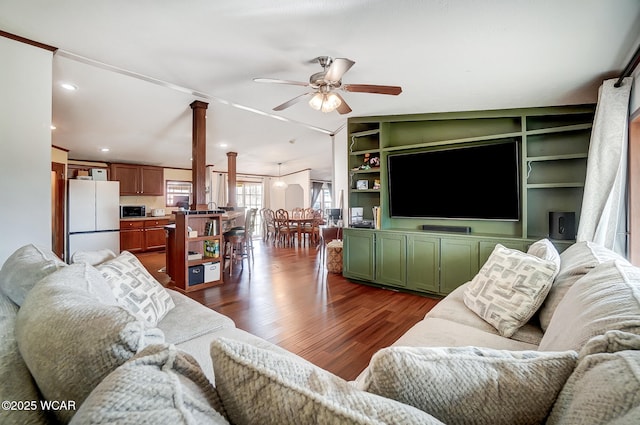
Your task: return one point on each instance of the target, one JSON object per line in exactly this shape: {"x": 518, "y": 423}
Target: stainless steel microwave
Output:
{"x": 128, "y": 211}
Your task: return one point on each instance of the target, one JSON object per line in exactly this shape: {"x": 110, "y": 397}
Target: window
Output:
{"x": 323, "y": 202}
{"x": 178, "y": 191}
{"x": 249, "y": 195}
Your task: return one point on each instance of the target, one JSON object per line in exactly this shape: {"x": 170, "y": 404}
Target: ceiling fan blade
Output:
{"x": 293, "y": 101}
{"x": 337, "y": 69}
{"x": 370, "y": 88}
{"x": 277, "y": 81}
{"x": 343, "y": 108}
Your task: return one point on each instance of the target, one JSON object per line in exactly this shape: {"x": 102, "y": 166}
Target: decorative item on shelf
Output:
{"x": 212, "y": 248}
{"x": 365, "y": 165}
{"x": 193, "y": 234}
{"x": 194, "y": 255}
{"x": 376, "y": 184}
{"x": 362, "y": 184}
{"x": 211, "y": 228}
{"x": 374, "y": 161}
{"x": 376, "y": 217}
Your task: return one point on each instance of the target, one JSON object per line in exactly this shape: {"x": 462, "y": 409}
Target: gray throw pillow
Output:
{"x": 71, "y": 340}
{"x": 259, "y": 386}
{"x": 93, "y": 257}
{"x": 26, "y": 267}
{"x": 575, "y": 262}
{"x": 605, "y": 386}
{"x": 464, "y": 385}
{"x": 16, "y": 383}
{"x": 607, "y": 298}
{"x": 160, "y": 385}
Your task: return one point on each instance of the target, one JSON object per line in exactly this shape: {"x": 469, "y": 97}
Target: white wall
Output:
{"x": 25, "y": 146}
{"x": 340, "y": 173}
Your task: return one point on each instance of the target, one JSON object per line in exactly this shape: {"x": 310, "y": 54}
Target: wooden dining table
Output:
{"x": 299, "y": 223}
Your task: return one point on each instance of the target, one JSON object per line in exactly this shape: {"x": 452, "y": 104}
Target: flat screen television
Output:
{"x": 480, "y": 182}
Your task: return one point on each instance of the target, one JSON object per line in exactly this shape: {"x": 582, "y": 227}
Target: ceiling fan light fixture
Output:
{"x": 316, "y": 101}
{"x": 325, "y": 102}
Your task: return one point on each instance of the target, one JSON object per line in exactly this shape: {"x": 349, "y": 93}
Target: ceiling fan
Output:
{"x": 325, "y": 83}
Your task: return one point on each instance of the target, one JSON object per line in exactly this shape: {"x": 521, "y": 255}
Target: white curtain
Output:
{"x": 604, "y": 206}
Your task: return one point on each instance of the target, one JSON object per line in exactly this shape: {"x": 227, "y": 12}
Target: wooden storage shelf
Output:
{"x": 179, "y": 244}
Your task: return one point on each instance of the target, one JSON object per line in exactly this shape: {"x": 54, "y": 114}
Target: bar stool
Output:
{"x": 238, "y": 241}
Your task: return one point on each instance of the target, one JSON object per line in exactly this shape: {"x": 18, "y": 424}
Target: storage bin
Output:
{"x": 211, "y": 272}
{"x": 196, "y": 275}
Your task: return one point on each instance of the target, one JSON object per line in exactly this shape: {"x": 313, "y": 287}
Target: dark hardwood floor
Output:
{"x": 290, "y": 300}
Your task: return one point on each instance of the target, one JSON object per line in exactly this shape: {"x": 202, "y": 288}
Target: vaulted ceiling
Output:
{"x": 139, "y": 64}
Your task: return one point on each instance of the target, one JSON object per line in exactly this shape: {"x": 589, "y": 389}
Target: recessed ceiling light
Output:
{"x": 69, "y": 86}
{"x": 53, "y": 127}
{"x": 104, "y": 150}
{"x": 223, "y": 145}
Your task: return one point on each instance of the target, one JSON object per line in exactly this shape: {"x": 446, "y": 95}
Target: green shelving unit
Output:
{"x": 553, "y": 145}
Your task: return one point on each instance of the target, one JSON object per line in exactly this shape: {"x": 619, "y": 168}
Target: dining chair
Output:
{"x": 311, "y": 229}
{"x": 284, "y": 230}
{"x": 268, "y": 225}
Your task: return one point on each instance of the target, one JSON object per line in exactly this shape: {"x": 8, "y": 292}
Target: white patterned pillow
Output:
{"x": 509, "y": 288}
{"x": 160, "y": 385}
{"x": 135, "y": 289}
{"x": 260, "y": 386}
{"x": 470, "y": 384}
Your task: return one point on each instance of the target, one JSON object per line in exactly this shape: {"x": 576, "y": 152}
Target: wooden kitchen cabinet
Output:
{"x": 131, "y": 236}
{"x": 138, "y": 180}
{"x": 154, "y": 234}
{"x": 142, "y": 235}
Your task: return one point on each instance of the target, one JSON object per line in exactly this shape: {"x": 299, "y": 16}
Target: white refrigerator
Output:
{"x": 93, "y": 216}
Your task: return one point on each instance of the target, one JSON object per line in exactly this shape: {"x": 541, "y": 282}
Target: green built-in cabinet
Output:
{"x": 553, "y": 145}
{"x": 417, "y": 261}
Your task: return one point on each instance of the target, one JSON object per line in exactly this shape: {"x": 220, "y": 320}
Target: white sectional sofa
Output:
{"x": 536, "y": 337}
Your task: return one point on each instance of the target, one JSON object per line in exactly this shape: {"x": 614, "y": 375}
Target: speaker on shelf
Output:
{"x": 562, "y": 225}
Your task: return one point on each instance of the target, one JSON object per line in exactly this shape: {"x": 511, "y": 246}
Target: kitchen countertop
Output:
{"x": 162, "y": 217}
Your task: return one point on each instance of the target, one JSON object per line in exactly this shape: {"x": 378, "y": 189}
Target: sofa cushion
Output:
{"x": 604, "y": 388}
{"x": 453, "y": 308}
{"x": 16, "y": 383}
{"x": 135, "y": 289}
{"x": 437, "y": 332}
{"x": 606, "y": 298}
{"x": 202, "y": 320}
{"x": 93, "y": 257}
{"x": 160, "y": 385}
{"x": 26, "y": 267}
{"x": 257, "y": 385}
{"x": 199, "y": 348}
{"x": 575, "y": 262}
{"x": 509, "y": 288}
{"x": 71, "y": 339}
{"x": 471, "y": 384}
